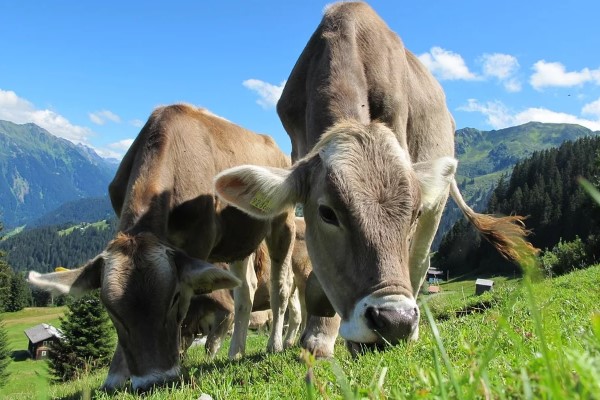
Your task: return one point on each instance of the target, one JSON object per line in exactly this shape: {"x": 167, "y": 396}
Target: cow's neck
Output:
{"x": 147, "y": 215}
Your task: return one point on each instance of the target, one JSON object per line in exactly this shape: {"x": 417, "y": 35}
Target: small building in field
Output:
{"x": 40, "y": 337}
{"x": 433, "y": 289}
{"x": 434, "y": 276}
{"x": 483, "y": 285}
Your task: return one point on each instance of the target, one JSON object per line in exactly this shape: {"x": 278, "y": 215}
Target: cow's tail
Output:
{"x": 507, "y": 234}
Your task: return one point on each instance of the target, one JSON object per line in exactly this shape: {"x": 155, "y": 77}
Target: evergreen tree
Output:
{"x": 5, "y": 279}
{"x": 4, "y": 354}
{"x": 20, "y": 293}
{"x": 88, "y": 339}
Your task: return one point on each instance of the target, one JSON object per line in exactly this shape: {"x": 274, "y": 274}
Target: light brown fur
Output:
{"x": 170, "y": 224}
{"x": 353, "y": 76}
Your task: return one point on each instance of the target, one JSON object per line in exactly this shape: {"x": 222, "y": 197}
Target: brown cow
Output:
{"x": 170, "y": 220}
{"x": 373, "y": 146}
{"x": 212, "y": 315}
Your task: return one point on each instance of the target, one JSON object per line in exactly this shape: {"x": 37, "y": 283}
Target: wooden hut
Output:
{"x": 483, "y": 285}
{"x": 40, "y": 337}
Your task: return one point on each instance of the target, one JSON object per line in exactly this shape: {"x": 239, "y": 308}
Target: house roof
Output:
{"x": 42, "y": 332}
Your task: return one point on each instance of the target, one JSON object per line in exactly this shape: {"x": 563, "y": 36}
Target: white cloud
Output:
{"x": 108, "y": 153}
{"x": 121, "y": 145}
{"x": 499, "y": 65}
{"x": 447, "y": 65}
{"x": 268, "y": 93}
{"x": 502, "y": 67}
{"x": 138, "y": 123}
{"x": 592, "y": 108}
{"x": 512, "y": 85}
{"x": 101, "y": 117}
{"x": 18, "y": 110}
{"x": 499, "y": 116}
{"x": 554, "y": 74}
{"x": 115, "y": 150}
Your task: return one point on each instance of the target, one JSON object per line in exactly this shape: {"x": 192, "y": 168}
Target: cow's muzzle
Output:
{"x": 377, "y": 322}
{"x": 155, "y": 379}
{"x": 392, "y": 323}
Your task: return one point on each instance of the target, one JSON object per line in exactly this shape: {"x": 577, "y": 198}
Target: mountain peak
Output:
{"x": 40, "y": 171}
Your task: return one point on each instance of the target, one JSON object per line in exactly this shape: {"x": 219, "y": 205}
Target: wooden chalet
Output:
{"x": 40, "y": 337}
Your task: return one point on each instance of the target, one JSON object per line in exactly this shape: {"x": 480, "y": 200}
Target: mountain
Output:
{"x": 484, "y": 156}
{"x": 44, "y": 248}
{"x": 40, "y": 172}
{"x": 482, "y": 153}
{"x": 88, "y": 210}
{"x": 545, "y": 188}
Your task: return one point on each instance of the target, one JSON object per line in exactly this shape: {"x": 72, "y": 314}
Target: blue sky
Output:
{"x": 92, "y": 72}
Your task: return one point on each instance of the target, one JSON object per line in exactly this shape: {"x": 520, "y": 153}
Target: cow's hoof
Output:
{"x": 319, "y": 346}
{"x": 274, "y": 348}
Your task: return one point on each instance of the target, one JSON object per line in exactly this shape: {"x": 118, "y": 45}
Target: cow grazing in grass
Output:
{"x": 373, "y": 152}
{"x": 171, "y": 224}
{"x": 212, "y": 315}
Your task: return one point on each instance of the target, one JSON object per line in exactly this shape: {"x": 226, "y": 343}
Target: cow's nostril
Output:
{"x": 392, "y": 323}
{"x": 373, "y": 318}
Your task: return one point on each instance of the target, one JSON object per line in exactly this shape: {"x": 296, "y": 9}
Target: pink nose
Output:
{"x": 393, "y": 324}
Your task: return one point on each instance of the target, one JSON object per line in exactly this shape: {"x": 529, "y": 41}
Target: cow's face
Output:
{"x": 362, "y": 199}
{"x": 146, "y": 287}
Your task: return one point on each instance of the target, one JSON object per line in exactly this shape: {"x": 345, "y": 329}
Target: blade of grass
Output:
{"x": 442, "y": 350}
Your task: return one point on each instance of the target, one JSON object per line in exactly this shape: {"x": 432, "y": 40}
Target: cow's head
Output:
{"x": 146, "y": 287}
{"x": 362, "y": 198}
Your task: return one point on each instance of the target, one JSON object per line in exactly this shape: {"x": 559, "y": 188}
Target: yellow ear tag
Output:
{"x": 261, "y": 202}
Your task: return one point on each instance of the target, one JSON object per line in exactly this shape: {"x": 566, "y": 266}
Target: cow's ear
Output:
{"x": 434, "y": 178}
{"x": 75, "y": 282}
{"x": 261, "y": 192}
{"x": 202, "y": 277}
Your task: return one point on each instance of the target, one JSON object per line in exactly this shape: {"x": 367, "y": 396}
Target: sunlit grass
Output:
{"x": 535, "y": 339}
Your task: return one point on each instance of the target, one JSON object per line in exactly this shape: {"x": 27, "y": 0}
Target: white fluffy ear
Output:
{"x": 435, "y": 177}
{"x": 261, "y": 192}
{"x": 75, "y": 282}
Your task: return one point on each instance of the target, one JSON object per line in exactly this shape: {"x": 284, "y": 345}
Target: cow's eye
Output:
{"x": 328, "y": 215}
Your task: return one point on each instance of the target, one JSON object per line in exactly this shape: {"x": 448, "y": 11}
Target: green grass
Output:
{"x": 13, "y": 232}
{"x": 28, "y": 379}
{"x": 532, "y": 340}
{"x": 100, "y": 225}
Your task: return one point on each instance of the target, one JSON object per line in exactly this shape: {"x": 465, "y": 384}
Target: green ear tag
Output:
{"x": 261, "y": 202}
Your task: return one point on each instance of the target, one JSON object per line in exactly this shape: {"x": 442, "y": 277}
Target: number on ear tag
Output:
{"x": 261, "y": 202}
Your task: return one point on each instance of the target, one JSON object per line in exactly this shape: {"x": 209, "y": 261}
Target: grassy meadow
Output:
{"x": 28, "y": 379}
{"x": 527, "y": 339}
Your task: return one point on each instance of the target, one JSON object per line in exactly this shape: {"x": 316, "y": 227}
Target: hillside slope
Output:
{"x": 39, "y": 172}
{"x": 485, "y": 156}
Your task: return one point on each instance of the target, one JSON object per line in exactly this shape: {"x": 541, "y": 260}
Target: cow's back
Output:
{"x": 354, "y": 67}
{"x": 165, "y": 181}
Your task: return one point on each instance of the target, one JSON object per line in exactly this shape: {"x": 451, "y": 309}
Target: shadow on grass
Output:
{"x": 19, "y": 355}
{"x": 188, "y": 377}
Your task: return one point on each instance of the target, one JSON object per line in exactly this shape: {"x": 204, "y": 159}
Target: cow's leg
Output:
{"x": 118, "y": 372}
{"x": 294, "y": 319}
{"x": 420, "y": 246}
{"x": 243, "y": 297}
{"x": 280, "y": 242}
{"x": 217, "y": 333}
{"x": 320, "y": 334}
